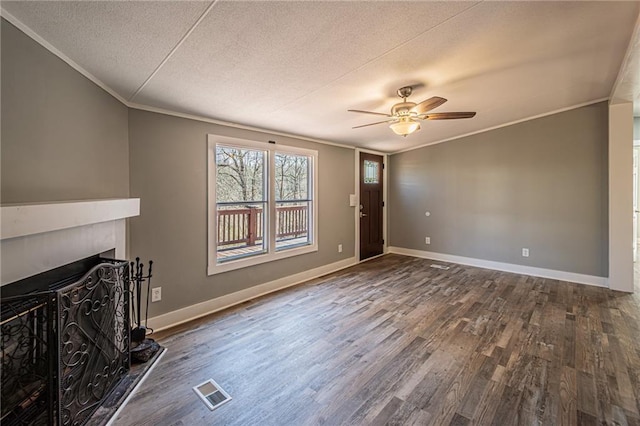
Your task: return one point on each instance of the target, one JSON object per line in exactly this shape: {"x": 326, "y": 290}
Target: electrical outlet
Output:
{"x": 339, "y": 248}
{"x": 525, "y": 252}
{"x": 427, "y": 240}
{"x": 156, "y": 294}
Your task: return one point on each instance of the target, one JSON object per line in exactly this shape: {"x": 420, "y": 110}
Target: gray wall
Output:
{"x": 63, "y": 138}
{"x": 636, "y": 128}
{"x": 169, "y": 174}
{"x": 541, "y": 184}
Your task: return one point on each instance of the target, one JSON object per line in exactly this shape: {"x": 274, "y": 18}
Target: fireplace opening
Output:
{"x": 65, "y": 342}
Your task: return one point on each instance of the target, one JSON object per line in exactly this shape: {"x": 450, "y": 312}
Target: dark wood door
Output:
{"x": 371, "y": 204}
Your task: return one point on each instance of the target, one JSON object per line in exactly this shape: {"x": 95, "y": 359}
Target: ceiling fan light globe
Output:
{"x": 405, "y": 127}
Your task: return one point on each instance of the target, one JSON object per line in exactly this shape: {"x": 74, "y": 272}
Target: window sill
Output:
{"x": 218, "y": 268}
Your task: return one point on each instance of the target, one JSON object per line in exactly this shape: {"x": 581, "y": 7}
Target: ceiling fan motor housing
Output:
{"x": 402, "y": 109}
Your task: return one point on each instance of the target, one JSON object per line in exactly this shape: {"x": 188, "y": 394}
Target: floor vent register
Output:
{"x": 212, "y": 394}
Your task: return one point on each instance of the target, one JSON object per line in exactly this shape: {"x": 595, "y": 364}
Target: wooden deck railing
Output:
{"x": 292, "y": 221}
{"x": 244, "y": 226}
{"x": 239, "y": 226}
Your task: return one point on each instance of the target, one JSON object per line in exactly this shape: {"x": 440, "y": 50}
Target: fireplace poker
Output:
{"x": 140, "y": 265}
{"x": 132, "y": 274}
{"x": 146, "y": 311}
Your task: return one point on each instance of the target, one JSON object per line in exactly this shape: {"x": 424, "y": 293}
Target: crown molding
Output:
{"x": 48, "y": 46}
{"x": 51, "y": 48}
{"x": 511, "y": 123}
{"x": 234, "y": 125}
{"x": 36, "y": 37}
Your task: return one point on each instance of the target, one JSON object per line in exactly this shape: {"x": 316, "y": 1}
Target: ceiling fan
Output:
{"x": 405, "y": 116}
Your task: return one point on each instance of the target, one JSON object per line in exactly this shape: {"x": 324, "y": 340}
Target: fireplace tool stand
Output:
{"x": 142, "y": 348}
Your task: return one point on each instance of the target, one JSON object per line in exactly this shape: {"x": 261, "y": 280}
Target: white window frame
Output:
{"x": 213, "y": 266}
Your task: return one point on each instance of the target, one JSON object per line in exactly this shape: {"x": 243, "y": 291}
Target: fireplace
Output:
{"x": 65, "y": 341}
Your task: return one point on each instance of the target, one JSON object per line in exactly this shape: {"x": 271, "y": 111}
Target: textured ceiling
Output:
{"x": 296, "y": 67}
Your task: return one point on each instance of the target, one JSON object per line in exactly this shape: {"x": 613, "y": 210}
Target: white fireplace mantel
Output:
{"x": 41, "y": 236}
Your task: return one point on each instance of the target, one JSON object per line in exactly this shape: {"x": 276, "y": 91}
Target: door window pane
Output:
{"x": 371, "y": 171}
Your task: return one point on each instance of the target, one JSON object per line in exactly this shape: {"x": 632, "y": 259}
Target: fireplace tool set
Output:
{"x": 142, "y": 348}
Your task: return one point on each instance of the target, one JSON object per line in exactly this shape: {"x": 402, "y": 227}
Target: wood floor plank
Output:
{"x": 489, "y": 402}
{"x": 587, "y": 399}
{"x": 567, "y": 414}
{"x": 395, "y": 342}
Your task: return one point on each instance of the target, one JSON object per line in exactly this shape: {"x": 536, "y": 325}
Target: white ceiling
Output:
{"x": 296, "y": 67}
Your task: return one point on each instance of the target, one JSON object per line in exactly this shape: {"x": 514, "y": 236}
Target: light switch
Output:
{"x": 353, "y": 200}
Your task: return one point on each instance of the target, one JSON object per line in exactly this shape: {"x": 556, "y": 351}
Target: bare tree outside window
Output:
{"x": 262, "y": 202}
{"x": 292, "y": 177}
{"x": 293, "y": 203}
{"x": 242, "y": 201}
{"x": 240, "y": 174}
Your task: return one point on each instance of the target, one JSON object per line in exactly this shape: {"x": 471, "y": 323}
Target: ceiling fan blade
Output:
{"x": 373, "y": 124}
{"x": 429, "y": 104}
{"x": 370, "y": 112}
{"x": 448, "y": 115}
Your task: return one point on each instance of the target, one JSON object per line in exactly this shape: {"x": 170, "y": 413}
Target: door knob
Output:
{"x": 362, "y": 214}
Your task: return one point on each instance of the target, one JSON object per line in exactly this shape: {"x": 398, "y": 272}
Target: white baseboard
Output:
{"x": 180, "y": 316}
{"x": 507, "y": 267}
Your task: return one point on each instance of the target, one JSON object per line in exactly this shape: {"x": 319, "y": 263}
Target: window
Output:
{"x": 262, "y": 202}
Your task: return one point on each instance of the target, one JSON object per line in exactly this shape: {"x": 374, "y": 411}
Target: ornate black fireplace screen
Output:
{"x": 65, "y": 348}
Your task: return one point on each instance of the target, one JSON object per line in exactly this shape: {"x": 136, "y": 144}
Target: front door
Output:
{"x": 371, "y": 204}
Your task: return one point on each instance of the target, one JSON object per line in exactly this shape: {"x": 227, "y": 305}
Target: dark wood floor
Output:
{"x": 393, "y": 341}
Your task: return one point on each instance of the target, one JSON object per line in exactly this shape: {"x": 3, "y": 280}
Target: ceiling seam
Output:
{"x": 380, "y": 56}
{"x": 175, "y": 49}
{"x": 129, "y": 104}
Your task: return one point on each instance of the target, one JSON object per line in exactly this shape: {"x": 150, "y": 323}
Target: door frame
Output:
{"x": 356, "y": 213}
{"x": 636, "y": 158}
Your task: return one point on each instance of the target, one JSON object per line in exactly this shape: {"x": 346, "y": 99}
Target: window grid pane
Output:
{"x": 240, "y": 231}
{"x": 240, "y": 174}
{"x": 293, "y": 202}
{"x": 292, "y": 224}
{"x": 292, "y": 177}
{"x": 241, "y": 205}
